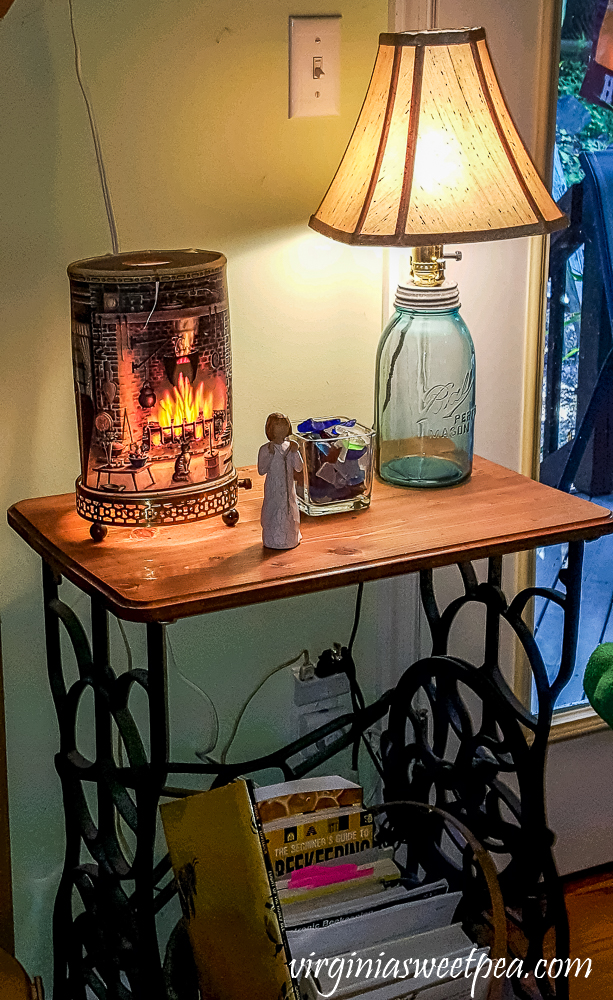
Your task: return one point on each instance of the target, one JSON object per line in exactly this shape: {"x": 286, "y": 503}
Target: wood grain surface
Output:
{"x": 589, "y": 901}
{"x": 165, "y": 573}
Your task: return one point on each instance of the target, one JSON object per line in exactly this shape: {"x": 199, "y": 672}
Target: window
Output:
{"x": 580, "y": 306}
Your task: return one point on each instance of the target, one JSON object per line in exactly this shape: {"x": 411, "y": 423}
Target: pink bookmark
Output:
{"x": 318, "y": 875}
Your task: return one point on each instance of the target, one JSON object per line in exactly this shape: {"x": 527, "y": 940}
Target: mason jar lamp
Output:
{"x": 434, "y": 158}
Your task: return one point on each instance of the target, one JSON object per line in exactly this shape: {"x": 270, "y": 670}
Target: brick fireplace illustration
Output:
{"x": 153, "y": 384}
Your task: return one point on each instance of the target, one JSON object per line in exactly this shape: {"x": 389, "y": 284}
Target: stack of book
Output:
{"x": 313, "y": 820}
{"x": 285, "y": 896}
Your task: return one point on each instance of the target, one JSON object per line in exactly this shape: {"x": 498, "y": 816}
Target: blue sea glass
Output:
{"x": 337, "y": 465}
{"x": 330, "y": 424}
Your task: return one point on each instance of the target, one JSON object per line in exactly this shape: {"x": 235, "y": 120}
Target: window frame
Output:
{"x": 568, "y": 723}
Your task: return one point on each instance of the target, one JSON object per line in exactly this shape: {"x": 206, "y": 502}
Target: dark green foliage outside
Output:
{"x": 597, "y": 134}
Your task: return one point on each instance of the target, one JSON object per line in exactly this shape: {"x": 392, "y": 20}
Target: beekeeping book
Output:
{"x": 296, "y": 842}
{"x": 228, "y": 895}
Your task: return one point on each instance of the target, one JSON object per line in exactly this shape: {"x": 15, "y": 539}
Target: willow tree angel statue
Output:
{"x": 278, "y": 460}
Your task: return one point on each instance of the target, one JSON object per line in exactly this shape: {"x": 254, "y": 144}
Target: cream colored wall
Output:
{"x": 191, "y": 103}
{"x": 493, "y": 276}
{"x": 190, "y": 98}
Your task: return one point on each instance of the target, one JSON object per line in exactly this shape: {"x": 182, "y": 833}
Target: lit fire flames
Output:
{"x": 184, "y": 405}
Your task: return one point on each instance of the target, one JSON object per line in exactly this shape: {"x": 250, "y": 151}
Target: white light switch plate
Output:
{"x": 314, "y": 66}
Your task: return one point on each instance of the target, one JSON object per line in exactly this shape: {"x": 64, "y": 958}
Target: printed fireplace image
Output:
{"x": 153, "y": 385}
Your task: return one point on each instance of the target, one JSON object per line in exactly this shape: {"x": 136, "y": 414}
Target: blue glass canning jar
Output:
{"x": 425, "y": 390}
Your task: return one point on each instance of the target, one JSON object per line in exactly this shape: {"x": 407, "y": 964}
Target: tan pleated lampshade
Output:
{"x": 435, "y": 157}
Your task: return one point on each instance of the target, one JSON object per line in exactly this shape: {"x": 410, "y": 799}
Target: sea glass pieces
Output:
{"x": 425, "y": 390}
{"x": 337, "y": 455}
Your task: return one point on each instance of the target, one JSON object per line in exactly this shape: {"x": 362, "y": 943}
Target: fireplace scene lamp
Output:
{"x": 434, "y": 158}
{"x": 153, "y": 385}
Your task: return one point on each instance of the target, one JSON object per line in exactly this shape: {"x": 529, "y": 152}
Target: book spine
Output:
{"x": 319, "y": 840}
{"x": 295, "y": 994}
{"x": 338, "y": 814}
{"x": 295, "y": 804}
{"x": 339, "y": 918}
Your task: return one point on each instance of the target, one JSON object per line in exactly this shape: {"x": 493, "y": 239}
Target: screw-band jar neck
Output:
{"x": 439, "y": 297}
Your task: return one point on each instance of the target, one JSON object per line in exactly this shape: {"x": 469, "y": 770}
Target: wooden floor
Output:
{"x": 589, "y": 901}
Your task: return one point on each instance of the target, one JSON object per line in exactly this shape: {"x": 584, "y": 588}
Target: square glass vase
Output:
{"x": 337, "y": 468}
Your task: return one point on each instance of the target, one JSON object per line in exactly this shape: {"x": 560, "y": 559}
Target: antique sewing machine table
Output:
{"x": 160, "y": 574}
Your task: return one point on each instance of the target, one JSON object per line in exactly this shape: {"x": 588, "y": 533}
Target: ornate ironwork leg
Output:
{"x": 571, "y": 578}
{"x": 493, "y": 608}
{"x": 149, "y": 785}
{"x": 466, "y": 755}
{"x": 111, "y": 945}
{"x": 62, "y": 915}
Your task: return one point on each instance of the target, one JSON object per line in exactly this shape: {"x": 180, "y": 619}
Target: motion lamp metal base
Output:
{"x": 130, "y": 510}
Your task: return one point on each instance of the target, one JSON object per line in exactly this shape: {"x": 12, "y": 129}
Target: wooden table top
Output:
{"x": 165, "y": 573}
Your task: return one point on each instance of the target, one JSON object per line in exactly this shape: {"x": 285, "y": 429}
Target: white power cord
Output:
{"x": 305, "y": 671}
{"x": 282, "y": 666}
{"x": 197, "y": 690}
{"x": 129, "y": 853}
{"x": 186, "y": 680}
{"x": 106, "y": 192}
{"x": 125, "y": 642}
{"x": 155, "y": 302}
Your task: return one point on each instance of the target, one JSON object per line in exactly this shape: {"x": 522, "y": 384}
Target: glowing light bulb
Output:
{"x": 437, "y": 161}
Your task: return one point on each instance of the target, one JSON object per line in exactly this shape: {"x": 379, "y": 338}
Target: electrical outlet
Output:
{"x": 318, "y": 700}
{"x": 315, "y": 690}
{"x": 314, "y": 66}
{"x": 309, "y": 721}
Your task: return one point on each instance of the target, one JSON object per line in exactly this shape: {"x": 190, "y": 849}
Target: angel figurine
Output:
{"x": 278, "y": 460}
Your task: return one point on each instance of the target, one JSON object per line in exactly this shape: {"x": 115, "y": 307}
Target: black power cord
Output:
{"x": 339, "y": 660}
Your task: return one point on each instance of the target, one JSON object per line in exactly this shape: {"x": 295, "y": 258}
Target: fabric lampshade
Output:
{"x": 435, "y": 157}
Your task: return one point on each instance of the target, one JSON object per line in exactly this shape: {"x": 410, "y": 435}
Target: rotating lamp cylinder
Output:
{"x": 153, "y": 386}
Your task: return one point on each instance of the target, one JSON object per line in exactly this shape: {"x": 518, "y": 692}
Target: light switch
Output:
{"x": 314, "y": 66}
